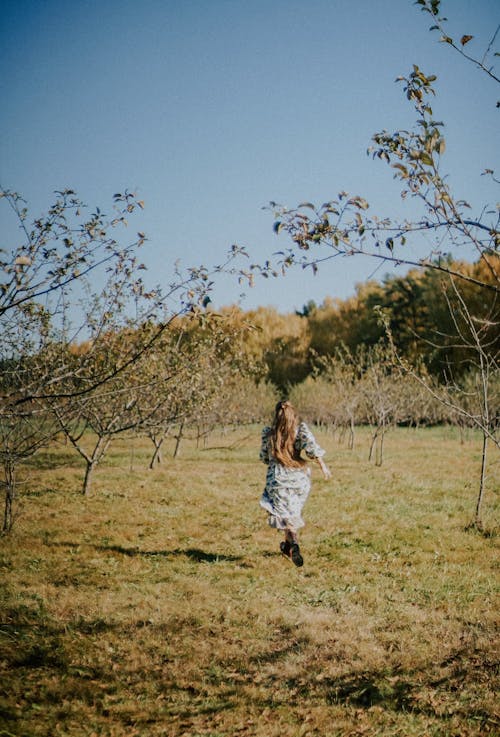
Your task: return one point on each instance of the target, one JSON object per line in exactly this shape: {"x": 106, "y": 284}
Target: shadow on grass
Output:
{"x": 47, "y": 460}
{"x": 438, "y": 690}
{"x": 195, "y": 554}
{"x": 365, "y": 690}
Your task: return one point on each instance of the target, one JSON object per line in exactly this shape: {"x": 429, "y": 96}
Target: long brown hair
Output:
{"x": 282, "y": 436}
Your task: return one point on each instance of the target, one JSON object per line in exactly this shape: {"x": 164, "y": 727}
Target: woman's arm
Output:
{"x": 324, "y": 468}
{"x": 264, "y": 446}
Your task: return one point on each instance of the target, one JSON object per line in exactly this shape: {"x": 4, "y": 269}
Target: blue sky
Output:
{"x": 212, "y": 108}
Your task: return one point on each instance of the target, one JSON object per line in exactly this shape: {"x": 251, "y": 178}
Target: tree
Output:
{"x": 473, "y": 395}
{"x": 348, "y": 323}
{"x": 343, "y": 226}
{"x": 68, "y": 282}
{"x": 342, "y": 371}
{"x": 23, "y": 430}
{"x": 59, "y": 249}
{"x": 381, "y": 397}
{"x": 90, "y": 420}
{"x": 275, "y": 346}
{"x": 53, "y": 254}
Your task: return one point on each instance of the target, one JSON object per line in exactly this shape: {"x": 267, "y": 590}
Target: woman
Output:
{"x": 288, "y": 479}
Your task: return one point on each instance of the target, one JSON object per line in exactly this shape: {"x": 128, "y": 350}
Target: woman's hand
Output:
{"x": 326, "y": 471}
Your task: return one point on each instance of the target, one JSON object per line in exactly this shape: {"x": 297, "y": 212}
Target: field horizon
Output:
{"x": 160, "y": 605}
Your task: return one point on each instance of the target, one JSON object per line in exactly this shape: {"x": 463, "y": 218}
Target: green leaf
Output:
{"x": 426, "y": 159}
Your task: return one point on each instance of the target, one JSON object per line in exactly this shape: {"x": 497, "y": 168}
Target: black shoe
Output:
{"x": 285, "y": 548}
{"x": 296, "y": 556}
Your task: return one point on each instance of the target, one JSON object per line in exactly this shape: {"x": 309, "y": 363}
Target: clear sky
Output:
{"x": 212, "y": 108}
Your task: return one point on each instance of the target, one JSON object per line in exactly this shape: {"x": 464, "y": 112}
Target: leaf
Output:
{"x": 307, "y": 204}
{"x": 23, "y": 261}
{"x": 426, "y": 159}
{"x": 277, "y": 226}
{"x": 402, "y": 169}
{"x": 446, "y": 39}
{"x": 465, "y": 39}
{"x": 359, "y": 202}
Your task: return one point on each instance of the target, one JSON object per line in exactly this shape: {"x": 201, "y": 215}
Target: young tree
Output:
{"x": 381, "y": 397}
{"x": 91, "y": 420}
{"x": 198, "y": 362}
{"x": 68, "y": 280}
{"x": 472, "y": 391}
{"x": 343, "y": 372}
{"x": 315, "y": 400}
{"x": 223, "y": 373}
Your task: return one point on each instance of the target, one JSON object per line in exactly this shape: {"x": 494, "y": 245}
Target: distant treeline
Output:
{"x": 424, "y": 311}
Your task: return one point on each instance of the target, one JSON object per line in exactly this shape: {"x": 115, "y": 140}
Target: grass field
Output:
{"x": 161, "y": 606}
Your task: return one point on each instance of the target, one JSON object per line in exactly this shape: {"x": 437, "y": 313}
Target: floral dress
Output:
{"x": 287, "y": 488}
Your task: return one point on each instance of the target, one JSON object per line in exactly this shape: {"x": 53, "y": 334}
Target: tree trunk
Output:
{"x": 10, "y": 496}
{"x": 380, "y": 449}
{"x": 351, "y": 434}
{"x": 372, "y": 444}
{"x": 156, "y": 457}
{"x": 92, "y": 461}
{"x": 91, "y": 464}
{"x": 477, "y": 516}
{"x": 178, "y": 440}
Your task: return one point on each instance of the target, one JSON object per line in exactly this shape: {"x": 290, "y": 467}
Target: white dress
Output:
{"x": 287, "y": 488}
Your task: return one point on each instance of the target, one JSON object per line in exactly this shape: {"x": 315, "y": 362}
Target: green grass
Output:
{"x": 160, "y": 605}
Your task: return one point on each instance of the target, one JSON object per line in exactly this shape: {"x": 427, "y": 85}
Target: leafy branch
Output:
{"x": 433, "y": 8}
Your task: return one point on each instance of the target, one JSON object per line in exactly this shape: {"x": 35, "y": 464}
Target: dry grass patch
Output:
{"x": 160, "y": 605}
